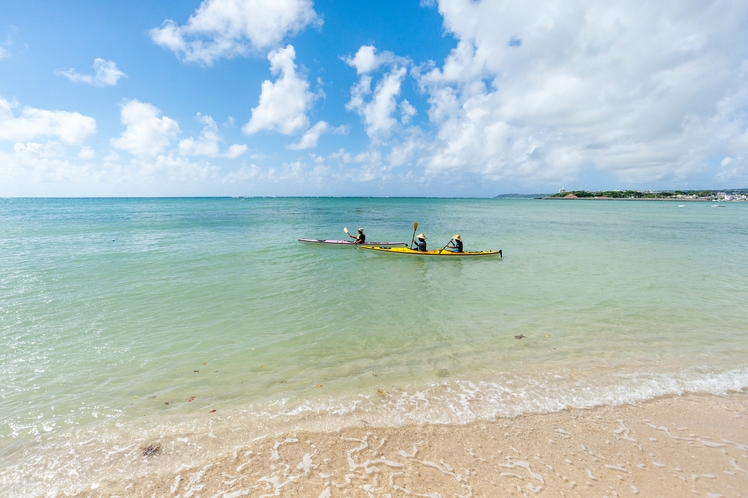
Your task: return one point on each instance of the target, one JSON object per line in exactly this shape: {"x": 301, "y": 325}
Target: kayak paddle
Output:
{"x": 345, "y": 229}
{"x": 445, "y": 246}
{"x": 412, "y": 239}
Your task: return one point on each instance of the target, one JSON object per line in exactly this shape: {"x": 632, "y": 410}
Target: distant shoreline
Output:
{"x": 728, "y": 195}
{"x": 628, "y": 199}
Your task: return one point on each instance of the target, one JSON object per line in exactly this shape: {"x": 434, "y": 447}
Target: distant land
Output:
{"x": 522, "y": 196}
{"x": 669, "y": 195}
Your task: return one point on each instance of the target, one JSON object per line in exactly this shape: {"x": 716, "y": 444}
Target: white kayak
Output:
{"x": 350, "y": 243}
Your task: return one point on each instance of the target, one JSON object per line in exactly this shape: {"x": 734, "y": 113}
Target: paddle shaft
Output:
{"x": 445, "y": 246}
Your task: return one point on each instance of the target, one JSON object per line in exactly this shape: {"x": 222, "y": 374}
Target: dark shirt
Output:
{"x": 361, "y": 238}
{"x": 420, "y": 245}
{"x": 458, "y": 245}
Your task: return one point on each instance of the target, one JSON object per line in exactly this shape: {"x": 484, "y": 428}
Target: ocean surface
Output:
{"x": 125, "y": 322}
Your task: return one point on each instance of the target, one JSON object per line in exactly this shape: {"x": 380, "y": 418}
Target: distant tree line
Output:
{"x": 635, "y": 194}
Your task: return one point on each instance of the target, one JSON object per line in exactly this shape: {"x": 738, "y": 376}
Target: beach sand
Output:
{"x": 691, "y": 445}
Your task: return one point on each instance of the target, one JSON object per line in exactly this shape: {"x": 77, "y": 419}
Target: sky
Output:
{"x": 459, "y": 98}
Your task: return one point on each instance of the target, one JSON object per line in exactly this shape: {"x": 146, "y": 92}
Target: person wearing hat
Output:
{"x": 456, "y": 243}
{"x": 421, "y": 242}
{"x": 360, "y": 238}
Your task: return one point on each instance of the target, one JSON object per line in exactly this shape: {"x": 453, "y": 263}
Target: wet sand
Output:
{"x": 692, "y": 445}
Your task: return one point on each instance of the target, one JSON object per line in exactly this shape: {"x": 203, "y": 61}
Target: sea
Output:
{"x": 202, "y": 324}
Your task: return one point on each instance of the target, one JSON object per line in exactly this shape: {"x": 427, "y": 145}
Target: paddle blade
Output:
{"x": 345, "y": 229}
{"x": 415, "y": 226}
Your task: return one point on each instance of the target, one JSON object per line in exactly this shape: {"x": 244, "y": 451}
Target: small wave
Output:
{"x": 463, "y": 401}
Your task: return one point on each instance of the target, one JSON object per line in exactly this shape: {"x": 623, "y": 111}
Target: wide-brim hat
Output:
{"x": 360, "y": 229}
{"x": 457, "y": 237}
{"x": 421, "y": 236}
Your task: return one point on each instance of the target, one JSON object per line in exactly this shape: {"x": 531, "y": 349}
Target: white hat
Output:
{"x": 457, "y": 237}
{"x": 421, "y": 236}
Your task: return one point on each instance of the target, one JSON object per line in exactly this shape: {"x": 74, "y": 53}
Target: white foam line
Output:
{"x": 509, "y": 474}
{"x": 616, "y": 467}
{"x": 739, "y": 446}
{"x": 175, "y": 486}
{"x": 274, "y": 455}
{"x": 522, "y": 464}
{"x": 306, "y": 463}
{"x": 409, "y": 455}
{"x": 667, "y": 431}
{"x": 735, "y": 464}
{"x": 626, "y": 431}
{"x": 235, "y": 494}
{"x": 710, "y": 444}
{"x": 384, "y": 440}
{"x": 276, "y": 484}
{"x": 347, "y": 481}
{"x": 535, "y": 490}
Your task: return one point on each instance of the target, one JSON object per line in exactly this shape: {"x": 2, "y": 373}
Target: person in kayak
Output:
{"x": 360, "y": 238}
{"x": 456, "y": 243}
{"x": 421, "y": 242}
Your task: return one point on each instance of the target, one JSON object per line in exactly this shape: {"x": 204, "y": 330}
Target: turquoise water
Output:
{"x": 112, "y": 308}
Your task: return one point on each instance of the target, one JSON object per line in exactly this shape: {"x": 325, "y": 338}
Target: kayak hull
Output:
{"x": 331, "y": 242}
{"x": 439, "y": 253}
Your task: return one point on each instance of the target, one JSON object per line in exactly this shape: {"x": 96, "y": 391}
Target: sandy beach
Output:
{"x": 691, "y": 445}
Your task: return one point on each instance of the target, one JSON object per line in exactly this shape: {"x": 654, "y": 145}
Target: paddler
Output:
{"x": 455, "y": 244}
{"x": 421, "y": 242}
{"x": 360, "y": 238}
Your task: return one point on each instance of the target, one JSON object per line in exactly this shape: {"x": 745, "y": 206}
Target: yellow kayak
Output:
{"x": 439, "y": 252}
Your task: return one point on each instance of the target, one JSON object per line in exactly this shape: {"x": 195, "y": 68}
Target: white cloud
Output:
{"x": 207, "y": 144}
{"x": 70, "y": 127}
{"x": 106, "y": 74}
{"x": 38, "y": 169}
{"x": 368, "y": 60}
{"x": 298, "y": 177}
{"x": 543, "y": 91}
{"x": 49, "y": 150}
{"x": 4, "y": 47}
{"x": 285, "y": 102}
{"x": 146, "y": 134}
{"x": 226, "y": 28}
{"x": 407, "y": 111}
{"x": 87, "y": 153}
{"x": 377, "y": 111}
{"x": 175, "y": 169}
{"x": 235, "y": 151}
{"x": 43, "y": 169}
{"x": 311, "y": 136}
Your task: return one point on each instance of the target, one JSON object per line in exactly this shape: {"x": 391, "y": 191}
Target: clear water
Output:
{"x": 112, "y": 308}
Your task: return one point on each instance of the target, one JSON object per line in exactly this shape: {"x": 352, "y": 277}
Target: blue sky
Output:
{"x": 432, "y": 98}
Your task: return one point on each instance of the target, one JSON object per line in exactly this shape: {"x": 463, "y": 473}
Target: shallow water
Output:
{"x": 112, "y": 308}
